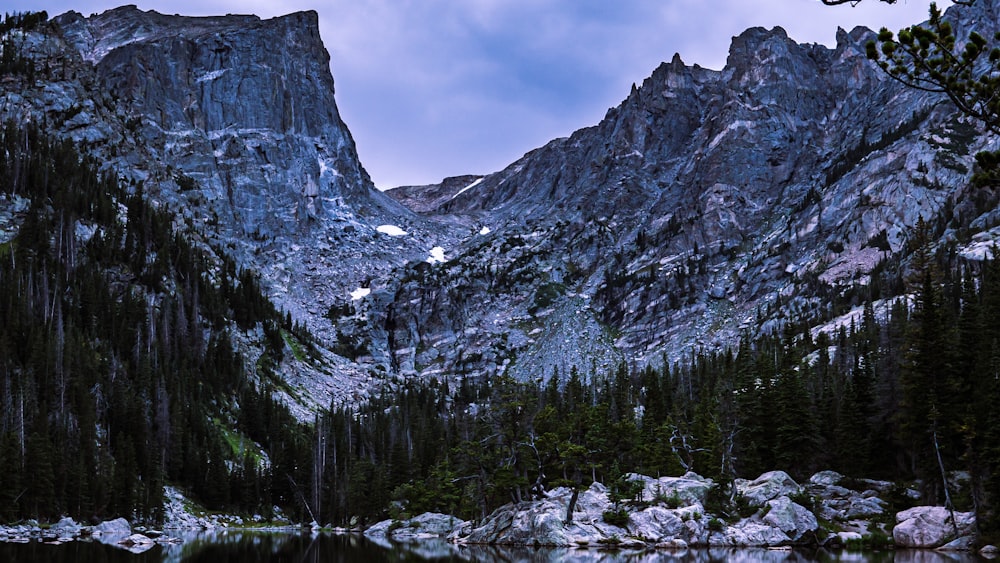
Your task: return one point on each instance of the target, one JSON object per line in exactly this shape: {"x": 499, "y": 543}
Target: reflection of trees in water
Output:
{"x": 250, "y": 547}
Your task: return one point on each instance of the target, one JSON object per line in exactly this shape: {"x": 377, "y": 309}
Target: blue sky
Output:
{"x": 435, "y": 88}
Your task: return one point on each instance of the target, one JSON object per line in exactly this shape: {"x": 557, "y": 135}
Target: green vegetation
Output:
{"x": 12, "y": 61}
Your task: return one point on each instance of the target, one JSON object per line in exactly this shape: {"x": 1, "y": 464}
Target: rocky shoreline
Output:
{"x": 772, "y": 511}
{"x": 672, "y": 513}
{"x": 181, "y": 518}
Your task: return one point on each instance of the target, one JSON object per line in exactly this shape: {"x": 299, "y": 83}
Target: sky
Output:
{"x": 437, "y": 88}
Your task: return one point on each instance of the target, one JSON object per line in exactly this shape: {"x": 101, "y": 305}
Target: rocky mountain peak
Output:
{"x": 756, "y": 45}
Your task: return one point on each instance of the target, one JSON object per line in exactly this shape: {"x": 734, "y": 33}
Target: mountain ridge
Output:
{"x": 706, "y": 203}
{"x": 754, "y": 183}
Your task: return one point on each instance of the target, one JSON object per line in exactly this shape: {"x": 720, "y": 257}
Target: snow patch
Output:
{"x": 212, "y": 75}
{"x": 467, "y": 188}
{"x": 484, "y": 231}
{"x": 740, "y": 123}
{"x": 323, "y": 168}
{"x": 437, "y": 256}
{"x": 391, "y": 230}
{"x": 882, "y": 309}
{"x": 360, "y": 293}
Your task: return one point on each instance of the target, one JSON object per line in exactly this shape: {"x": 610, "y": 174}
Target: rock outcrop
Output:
{"x": 768, "y": 486}
{"x": 428, "y": 525}
{"x": 670, "y": 514}
{"x": 933, "y": 527}
{"x": 116, "y": 527}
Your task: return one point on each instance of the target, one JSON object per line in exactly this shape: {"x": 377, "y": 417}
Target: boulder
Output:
{"x": 542, "y": 522}
{"x": 847, "y": 537}
{"x": 768, "y": 486}
{"x": 136, "y": 539}
{"x": 794, "y": 520}
{"x": 826, "y": 478}
{"x": 750, "y": 532}
{"x": 931, "y": 527}
{"x": 865, "y": 507}
{"x": 137, "y": 543}
{"x": 426, "y": 526}
{"x": 66, "y": 528}
{"x": 118, "y": 526}
{"x": 687, "y": 489}
{"x": 964, "y": 543}
{"x": 655, "y": 524}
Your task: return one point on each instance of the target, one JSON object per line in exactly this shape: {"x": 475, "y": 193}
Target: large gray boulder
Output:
{"x": 931, "y": 526}
{"x": 118, "y": 526}
{"x": 688, "y": 489}
{"x": 66, "y": 527}
{"x": 768, "y": 486}
{"x": 655, "y": 524}
{"x": 136, "y": 543}
{"x": 749, "y": 532}
{"x": 826, "y": 478}
{"x": 794, "y": 520}
{"x": 542, "y": 522}
{"x": 425, "y": 526}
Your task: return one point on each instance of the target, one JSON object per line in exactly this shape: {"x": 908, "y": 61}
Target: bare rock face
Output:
{"x": 225, "y": 97}
{"x": 232, "y": 122}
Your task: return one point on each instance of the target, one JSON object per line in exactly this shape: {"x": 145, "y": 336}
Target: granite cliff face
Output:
{"x": 231, "y": 122}
{"x": 709, "y": 204}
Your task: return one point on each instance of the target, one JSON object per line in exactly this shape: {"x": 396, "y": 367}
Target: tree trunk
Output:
{"x": 572, "y": 505}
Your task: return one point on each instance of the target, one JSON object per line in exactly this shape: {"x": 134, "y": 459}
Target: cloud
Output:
{"x": 433, "y": 88}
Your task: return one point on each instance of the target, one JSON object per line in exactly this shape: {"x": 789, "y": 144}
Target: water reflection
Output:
{"x": 230, "y": 546}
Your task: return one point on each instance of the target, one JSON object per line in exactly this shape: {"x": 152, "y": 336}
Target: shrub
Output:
{"x": 804, "y": 499}
{"x": 673, "y": 501}
{"x": 716, "y": 525}
{"x": 616, "y": 517}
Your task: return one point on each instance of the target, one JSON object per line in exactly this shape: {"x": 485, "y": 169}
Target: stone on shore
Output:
{"x": 794, "y": 520}
{"x": 768, "y": 486}
{"x": 66, "y": 527}
{"x": 926, "y": 527}
{"x": 428, "y": 525}
{"x": 118, "y": 526}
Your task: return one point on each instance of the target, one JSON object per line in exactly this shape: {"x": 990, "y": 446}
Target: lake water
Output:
{"x": 252, "y": 548}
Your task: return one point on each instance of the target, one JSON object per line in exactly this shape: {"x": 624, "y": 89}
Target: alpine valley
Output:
{"x": 780, "y": 265}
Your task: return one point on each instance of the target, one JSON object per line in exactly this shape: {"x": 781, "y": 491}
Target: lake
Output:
{"x": 225, "y": 547}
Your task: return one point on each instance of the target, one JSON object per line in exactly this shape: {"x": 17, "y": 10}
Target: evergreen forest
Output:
{"x": 117, "y": 370}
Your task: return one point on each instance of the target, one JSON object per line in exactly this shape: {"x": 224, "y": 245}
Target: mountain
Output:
{"x": 708, "y": 205}
{"x": 244, "y": 144}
